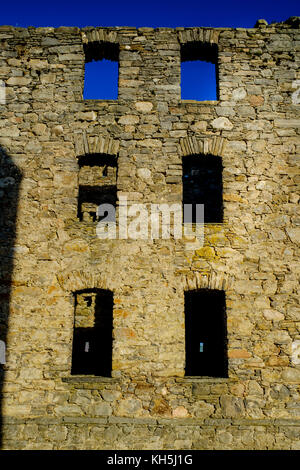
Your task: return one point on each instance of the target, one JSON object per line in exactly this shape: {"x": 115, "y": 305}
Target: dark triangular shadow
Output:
{"x": 10, "y": 178}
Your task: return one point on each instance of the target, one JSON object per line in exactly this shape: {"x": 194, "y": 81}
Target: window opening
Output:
{"x": 202, "y": 184}
{"x": 199, "y": 71}
{"x": 205, "y": 333}
{"x": 101, "y": 71}
{"x": 97, "y": 184}
{"x": 92, "y": 339}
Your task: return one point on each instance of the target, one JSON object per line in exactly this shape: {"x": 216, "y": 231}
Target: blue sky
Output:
{"x": 154, "y": 13}
{"x": 228, "y": 13}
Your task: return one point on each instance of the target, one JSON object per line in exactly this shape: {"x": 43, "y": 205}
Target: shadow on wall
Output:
{"x": 10, "y": 178}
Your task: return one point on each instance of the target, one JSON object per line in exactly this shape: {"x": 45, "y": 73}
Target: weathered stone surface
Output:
{"x": 129, "y": 119}
{"x": 291, "y": 375}
{"x": 296, "y": 352}
{"x": 222, "y": 123}
{"x": 103, "y": 409}
{"x": 294, "y": 234}
{"x": 232, "y": 407}
{"x": 273, "y": 315}
{"x": 20, "y": 81}
{"x": 180, "y": 412}
{"x": 129, "y": 407}
{"x": 144, "y": 173}
{"x": 144, "y": 106}
{"x": 256, "y": 100}
{"x": 239, "y": 94}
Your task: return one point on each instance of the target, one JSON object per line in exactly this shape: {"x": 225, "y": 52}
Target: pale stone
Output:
{"x": 290, "y": 375}
{"x": 254, "y": 407}
{"x": 296, "y": 352}
{"x": 248, "y": 287}
{"x": 178, "y": 134}
{"x": 232, "y": 407}
{"x": 239, "y": 146}
{"x": 38, "y": 63}
{"x": 48, "y": 78}
{"x": 20, "y": 81}
{"x": 20, "y": 249}
{"x": 273, "y": 315}
{"x": 225, "y": 111}
{"x": 130, "y": 83}
{"x": 67, "y": 57}
{"x": 280, "y": 337}
{"x": 199, "y": 126}
{"x": 237, "y": 390}
{"x": 11, "y": 131}
{"x": 103, "y": 409}
{"x": 245, "y": 328}
{"x": 129, "y": 407}
{"x": 144, "y": 174}
{"x": 203, "y": 409}
{"x": 225, "y": 437}
{"x": 283, "y": 123}
{"x": 245, "y": 111}
{"x": 110, "y": 395}
{"x": 68, "y": 410}
{"x": 180, "y": 412}
{"x": 239, "y": 94}
{"x": 58, "y": 130}
{"x": 151, "y": 143}
{"x": 39, "y": 129}
{"x": 294, "y": 234}
{"x": 144, "y": 106}
{"x": 222, "y": 123}
{"x": 278, "y": 234}
{"x": 129, "y": 119}
{"x": 254, "y": 388}
{"x": 15, "y": 410}
{"x": 87, "y": 116}
{"x": 270, "y": 287}
{"x": 31, "y": 373}
{"x": 43, "y": 95}
{"x": 258, "y": 146}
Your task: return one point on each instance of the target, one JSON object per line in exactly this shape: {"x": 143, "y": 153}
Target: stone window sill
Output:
{"x": 200, "y": 379}
{"x": 89, "y": 379}
{"x": 100, "y": 102}
{"x": 212, "y": 102}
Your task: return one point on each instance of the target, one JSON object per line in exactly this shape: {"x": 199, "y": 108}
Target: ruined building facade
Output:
{"x": 151, "y": 343}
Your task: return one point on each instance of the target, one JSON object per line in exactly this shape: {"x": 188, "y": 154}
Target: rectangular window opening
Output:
{"x": 202, "y": 184}
{"x": 90, "y": 198}
{"x": 206, "y": 333}
{"x": 199, "y": 71}
{"x": 92, "y": 338}
{"x": 101, "y": 71}
{"x": 97, "y": 185}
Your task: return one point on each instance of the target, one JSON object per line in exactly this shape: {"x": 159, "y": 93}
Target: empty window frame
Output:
{"x": 97, "y": 184}
{"x": 199, "y": 71}
{"x": 202, "y": 184}
{"x": 101, "y": 70}
{"x": 92, "y": 338}
{"x": 206, "y": 333}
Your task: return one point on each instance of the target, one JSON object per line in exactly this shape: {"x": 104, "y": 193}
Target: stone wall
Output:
{"x": 45, "y": 127}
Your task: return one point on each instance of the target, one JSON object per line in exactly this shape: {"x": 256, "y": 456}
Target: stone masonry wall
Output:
{"x": 45, "y": 127}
